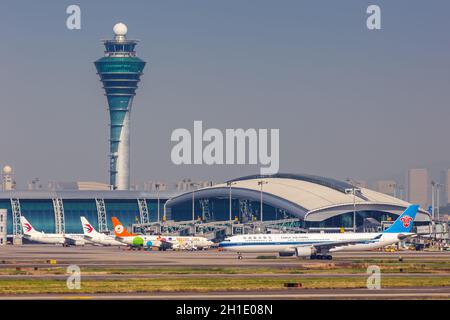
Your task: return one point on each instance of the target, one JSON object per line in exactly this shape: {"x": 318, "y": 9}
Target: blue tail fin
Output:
{"x": 404, "y": 222}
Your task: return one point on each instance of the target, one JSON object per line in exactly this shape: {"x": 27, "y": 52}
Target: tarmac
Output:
{"x": 288, "y": 294}
{"x": 39, "y": 256}
{"x": 96, "y": 256}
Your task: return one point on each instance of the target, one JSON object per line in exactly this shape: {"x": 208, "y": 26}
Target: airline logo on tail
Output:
{"x": 27, "y": 227}
{"x": 119, "y": 230}
{"x": 406, "y": 221}
{"x": 88, "y": 228}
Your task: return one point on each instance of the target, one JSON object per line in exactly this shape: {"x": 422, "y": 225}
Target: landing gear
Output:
{"x": 321, "y": 257}
{"x": 239, "y": 256}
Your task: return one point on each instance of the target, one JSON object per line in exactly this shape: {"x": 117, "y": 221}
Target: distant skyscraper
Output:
{"x": 8, "y": 183}
{"x": 120, "y": 72}
{"x": 417, "y": 182}
{"x": 155, "y": 186}
{"x": 447, "y": 186}
{"x": 387, "y": 187}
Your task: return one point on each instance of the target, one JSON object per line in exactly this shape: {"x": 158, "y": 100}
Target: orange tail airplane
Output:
{"x": 120, "y": 230}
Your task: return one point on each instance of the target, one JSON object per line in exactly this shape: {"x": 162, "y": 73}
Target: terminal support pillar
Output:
{"x": 16, "y": 214}
{"x": 102, "y": 218}
{"x": 143, "y": 210}
{"x": 58, "y": 208}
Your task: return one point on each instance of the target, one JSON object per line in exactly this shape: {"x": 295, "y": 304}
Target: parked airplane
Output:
{"x": 162, "y": 242}
{"x": 51, "y": 238}
{"x": 319, "y": 245}
{"x": 189, "y": 243}
{"x": 137, "y": 240}
{"x": 95, "y": 237}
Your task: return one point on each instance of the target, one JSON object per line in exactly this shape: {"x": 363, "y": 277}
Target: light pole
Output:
{"x": 433, "y": 187}
{"x": 157, "y": 185}
{"x": 394, "y": 187}
{"x": 261, "y": 183}
{"x": 400, "y": 189}
{"x": 229, "y": 184}
{"x": 353, "y": 191}
{"x": 438, "y": 213}
{"x": 193, "y": 185}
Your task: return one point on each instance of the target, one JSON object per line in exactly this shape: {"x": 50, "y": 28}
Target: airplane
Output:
{"x": 50, "y": 238}
{"x": 189, "y": 243}
{"x": 319, "y": 245}
{"x": 137, "y": 240}
{"x": 95, "y": 237}
{"x": 162, "y": 242}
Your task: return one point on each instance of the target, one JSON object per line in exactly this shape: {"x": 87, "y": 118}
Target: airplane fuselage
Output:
{"x": 286, "y": 243}
{"x": 55, "y": 238}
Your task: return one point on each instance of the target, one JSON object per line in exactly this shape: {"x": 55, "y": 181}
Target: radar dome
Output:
{"x": 7, "y": 170}
{"x": 120, "y": 29}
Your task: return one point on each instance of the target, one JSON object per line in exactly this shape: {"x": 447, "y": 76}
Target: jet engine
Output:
{"x": 304, "y": 251}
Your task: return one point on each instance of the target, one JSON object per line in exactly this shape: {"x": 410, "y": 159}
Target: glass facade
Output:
{"x": 346, "y": 220}
{"x": 41, "y": 214}
{"x": 216, "y": 209}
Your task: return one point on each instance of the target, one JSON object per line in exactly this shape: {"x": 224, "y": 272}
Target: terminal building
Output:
{"x": 315, "y": 202}
{"x": 60, "y": 211}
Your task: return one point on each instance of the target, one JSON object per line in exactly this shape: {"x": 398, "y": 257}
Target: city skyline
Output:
{"x": 296, "y": 62}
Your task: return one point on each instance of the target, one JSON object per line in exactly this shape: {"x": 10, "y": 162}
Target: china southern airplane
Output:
{"x": 50, "y": 238}
{"x": 319, "y": 245}
{"x": 95, "y": 237}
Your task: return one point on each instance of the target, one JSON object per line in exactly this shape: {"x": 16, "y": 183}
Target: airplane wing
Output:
{"x": 73, "y": 240}
{"x": 326, "y": 246}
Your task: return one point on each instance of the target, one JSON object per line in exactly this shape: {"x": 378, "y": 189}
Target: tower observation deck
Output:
{"x": 120, "y": 72}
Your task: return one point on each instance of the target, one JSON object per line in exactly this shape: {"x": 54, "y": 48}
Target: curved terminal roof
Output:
{"x": 309, "y": 197}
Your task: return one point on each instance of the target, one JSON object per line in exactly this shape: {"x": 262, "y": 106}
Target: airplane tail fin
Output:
{"x": 26, "y": 226}
{"x": 88, "y": 229}
{"x": 119, "y": 229}
{"x": 404, "y": 222}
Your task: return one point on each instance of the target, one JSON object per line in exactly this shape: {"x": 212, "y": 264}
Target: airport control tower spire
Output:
{"x": 120, "y": 72}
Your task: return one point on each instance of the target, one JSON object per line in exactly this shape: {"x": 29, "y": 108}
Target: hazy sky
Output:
{"x": 349, "y": 102}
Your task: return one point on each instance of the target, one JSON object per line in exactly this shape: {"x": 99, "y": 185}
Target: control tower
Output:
{"x": 120, "y": 72}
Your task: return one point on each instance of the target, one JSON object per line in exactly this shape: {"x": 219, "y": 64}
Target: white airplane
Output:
{"x": 319, "y": 245}
{"x": 161, "y": 242}
{"x": 138, "y": 240}
{"x": 50, "y": 238}
{"x": 95, "y": 237}
{"x": 188, "y": 243}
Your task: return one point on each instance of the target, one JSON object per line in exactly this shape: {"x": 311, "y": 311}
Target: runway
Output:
{"x": 32, "y": 262}
{"x": 94, "y": 256}
{"x": 297, "y": 277}
{"x": 288, "y": 294}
